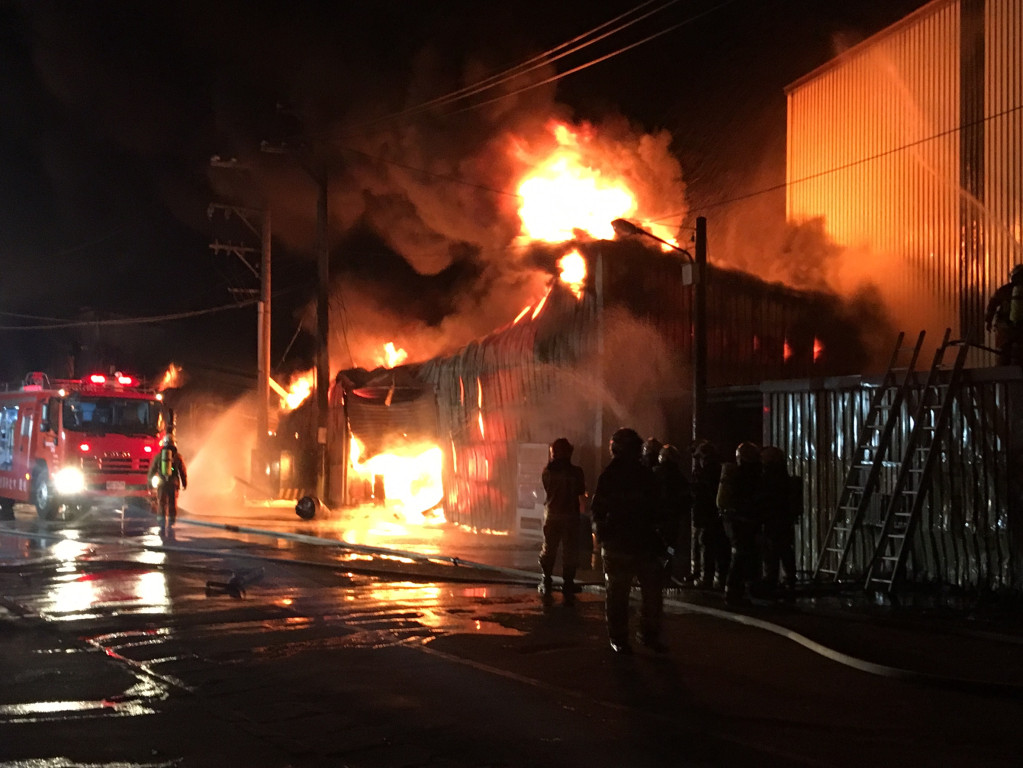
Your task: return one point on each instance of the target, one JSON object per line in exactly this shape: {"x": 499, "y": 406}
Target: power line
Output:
{"x": 593, "y": 62}
{"x": 540, "y": 60}
{"x": 128, "y": 320}
{"x": 846, "y": 166}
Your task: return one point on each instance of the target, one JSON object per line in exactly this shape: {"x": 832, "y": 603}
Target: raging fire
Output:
{"x": 578, "y": 188}
{"x": 299, "y": 388}
{"x": 573, "y": 272}
{"x": 564, "y": 193}
{"x": 405, "y": 479}
{"x": 392, "y": 356}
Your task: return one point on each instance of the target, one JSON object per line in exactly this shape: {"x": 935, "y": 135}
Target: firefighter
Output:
{"x": 675, "y": 501}
{"x": 711, "y": 553}
{"x": 625, "y": 521}
{"x": 779, "y": 520}
{"x": 1005, "y": 314}
{"x": 651, "y": 452}
{"x": 565, "y": 503}
{"x": 167, "y": 475}
{"x": 740, "y": 499}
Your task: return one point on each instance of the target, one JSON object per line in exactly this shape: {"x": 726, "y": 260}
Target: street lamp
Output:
{"x": 625, "y": 228}
{"x": 698, "y": 278}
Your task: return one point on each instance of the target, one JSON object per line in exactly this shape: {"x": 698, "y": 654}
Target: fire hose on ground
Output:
{"x": 237, "y": 584}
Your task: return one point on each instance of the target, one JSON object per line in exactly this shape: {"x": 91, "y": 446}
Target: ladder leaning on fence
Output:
{"x": 930, "y": 423}
{"x": 861, "y": 481}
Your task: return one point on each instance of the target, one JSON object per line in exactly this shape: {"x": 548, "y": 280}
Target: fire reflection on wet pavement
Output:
{"x": 144, "y": 604}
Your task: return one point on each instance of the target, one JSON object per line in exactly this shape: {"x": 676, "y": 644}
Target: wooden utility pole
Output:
{"x": 700, "y": 331}
{"x": 322, "y": 331}
{"x": 257, "y": 222}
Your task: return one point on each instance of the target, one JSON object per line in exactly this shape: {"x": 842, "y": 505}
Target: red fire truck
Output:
{"x": 71, "y": 445}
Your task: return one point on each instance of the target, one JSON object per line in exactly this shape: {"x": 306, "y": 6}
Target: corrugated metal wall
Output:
{"x": 1003, "y": 141}
{"x": 543, "y": 377}
{"x": 910, "y": 146}
{"x": 515, "y": 386}
{"x": 971, "y": 532}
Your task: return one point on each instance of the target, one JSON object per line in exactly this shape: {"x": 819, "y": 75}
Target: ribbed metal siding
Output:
{"x": 531, "y": 382}
{"x": 1003, "y": 142}
{"x": 969, "y": 534}
{"x": 874, "y": 149}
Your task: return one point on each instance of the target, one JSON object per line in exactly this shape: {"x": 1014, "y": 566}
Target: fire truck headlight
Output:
{"x": 69, "y": 480}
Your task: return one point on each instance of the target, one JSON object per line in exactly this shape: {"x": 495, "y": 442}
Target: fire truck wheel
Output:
{"x": 42, "y": 496}
{"x": 76, "y": 510}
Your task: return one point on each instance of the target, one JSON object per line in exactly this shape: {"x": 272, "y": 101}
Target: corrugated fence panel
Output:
{"x": 970, "y": 533}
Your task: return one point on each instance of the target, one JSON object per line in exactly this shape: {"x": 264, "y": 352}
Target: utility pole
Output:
{"x": 700, "y": 331}
{"x": 322, "y": 331}
{"x": 263, "y": 410}
{"x": 257, "y": 222}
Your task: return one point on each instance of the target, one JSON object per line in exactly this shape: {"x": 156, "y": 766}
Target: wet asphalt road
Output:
{"x": 122, "y": 648}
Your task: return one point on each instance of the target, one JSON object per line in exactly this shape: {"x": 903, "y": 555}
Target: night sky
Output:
{"x": 111, "y": 111}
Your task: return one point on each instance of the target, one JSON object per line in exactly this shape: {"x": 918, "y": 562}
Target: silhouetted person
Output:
{"x": 1005, "y": 314}
{"x": 625, "y": 520}
{"x": 711, "y": 551}
{"x": 675, "y": 501}
{"x": 779, "y": 520}
{"x": 565, "y": 488}
{"x": 740, "y": 499}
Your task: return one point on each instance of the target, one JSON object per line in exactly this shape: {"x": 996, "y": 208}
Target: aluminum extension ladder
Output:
{"x": 930, "y": 423}
{"x": 861, "y": 481}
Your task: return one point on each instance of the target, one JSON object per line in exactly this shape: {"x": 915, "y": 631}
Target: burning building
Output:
{"x": 609, "y": 345}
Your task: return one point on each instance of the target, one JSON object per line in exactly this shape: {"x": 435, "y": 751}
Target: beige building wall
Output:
{"x": 910, "y": 146}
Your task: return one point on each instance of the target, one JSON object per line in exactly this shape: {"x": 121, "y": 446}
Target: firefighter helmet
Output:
{"x": 705, "y": 450}
{"x": 772, "y": 454}
{"x": 626, "y": 443}
{"x": 747, "y": 453}
{"x": 166, "y": 441}
{"x": 561, "y": 449}
{"x": 669, "y": 454}
{"x": 652, "y": 449}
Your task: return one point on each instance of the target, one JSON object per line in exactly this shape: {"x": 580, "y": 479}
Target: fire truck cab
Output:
{"x": 74, "y": 444}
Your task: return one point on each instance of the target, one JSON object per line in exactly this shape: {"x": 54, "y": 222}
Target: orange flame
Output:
{"x": 539, "y": 307}
{"x": 479, "y": 402}
{"x": 578, "y": 188}
{"x": 411, "y": 478}
{"x": 299, "y": 388}
{"x": 172, "y": 377}
{"x": 564, "y": 192}
{"x": 573, "y": 272}
{"x": 392, "y": 356}
{"x": 818, "y": 349}
{"x": 786, "y": 351}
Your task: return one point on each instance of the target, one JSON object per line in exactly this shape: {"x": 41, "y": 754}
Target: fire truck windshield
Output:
{"x": 101, "y": 415}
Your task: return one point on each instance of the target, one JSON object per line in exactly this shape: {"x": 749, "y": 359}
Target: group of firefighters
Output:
{"x": 734, "y": 521}
{"x": 738, "y": 519}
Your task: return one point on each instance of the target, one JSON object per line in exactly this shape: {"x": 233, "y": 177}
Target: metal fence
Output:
{"x": 971, "y": 531}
